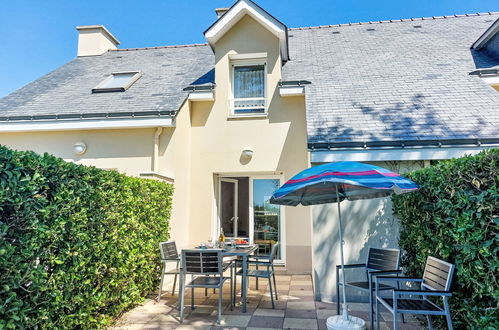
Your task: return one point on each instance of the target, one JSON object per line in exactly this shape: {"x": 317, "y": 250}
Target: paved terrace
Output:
{"x": 295, "y": 309}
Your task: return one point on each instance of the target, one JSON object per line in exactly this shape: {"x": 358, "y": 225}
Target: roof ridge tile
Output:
{"x": 395, "y": 20}
{"x": 158, "y": 47}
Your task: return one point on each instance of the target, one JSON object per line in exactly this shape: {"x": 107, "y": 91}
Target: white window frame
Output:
{"x": 232, "y": 99}
{"x": 100, "y": 89}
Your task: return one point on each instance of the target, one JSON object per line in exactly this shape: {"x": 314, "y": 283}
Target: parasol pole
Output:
{"x": 345, "y": 306}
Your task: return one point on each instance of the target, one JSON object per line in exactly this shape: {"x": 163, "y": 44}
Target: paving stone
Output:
{"x": 301, "y": 305}
{"x": 294, "y": 323}
{"x": 235, "y": 320}
{"x": 268, "y": 304}
{"x": 301, "y": 293}
{"x": 301, "y": 313}
{"x": 269, "y": 312}
{"x": 266, "y": 321}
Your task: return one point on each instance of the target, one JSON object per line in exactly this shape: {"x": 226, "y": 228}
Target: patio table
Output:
{"x": 244, "y": 253}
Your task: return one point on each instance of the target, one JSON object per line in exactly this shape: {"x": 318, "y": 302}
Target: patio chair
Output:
{"x": 268, "y": 273}
{"x": 436, "y": 282}
{"x": 379, "y": 262}
{"x": 207, "y": 268}
{"x": 169, "y": 254}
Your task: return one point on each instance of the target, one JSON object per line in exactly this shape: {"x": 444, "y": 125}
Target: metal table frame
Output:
{"x": 244, "y": 253}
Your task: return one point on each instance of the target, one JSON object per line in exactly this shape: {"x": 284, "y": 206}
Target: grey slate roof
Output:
{"x": 396, "y": 82}
{"x": 67, "y": 90}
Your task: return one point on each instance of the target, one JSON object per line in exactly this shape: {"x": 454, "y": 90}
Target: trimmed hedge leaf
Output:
{"x": 78, "y": 245}
{"x": 454, "y": 216}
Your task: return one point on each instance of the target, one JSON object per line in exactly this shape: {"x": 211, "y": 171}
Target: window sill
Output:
{"x": 249, "y": 116}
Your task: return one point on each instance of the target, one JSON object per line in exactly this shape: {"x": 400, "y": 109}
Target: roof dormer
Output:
{"x": 247, "y": 7}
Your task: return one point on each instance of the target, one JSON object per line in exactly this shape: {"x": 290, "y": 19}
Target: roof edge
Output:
{"x": 486, "y": 36}
{"x": 400, "y": 144}
{"x": 396, "y": 20}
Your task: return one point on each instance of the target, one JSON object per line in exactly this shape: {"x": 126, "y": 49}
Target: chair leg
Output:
{"x": 447, "y": 314}
{"x": 275, "y": 286}
{"x": 161, "y": 282}
{"x": 206, "y": 292}
{"x": 377, "y": 313}
{"x": 371, "y": 312}
{"x": 192, "y": 298}
{"x": 174, "y": 284}
{"x": 271, "y": 295}
{"x": 398, "y": 287}
{"x": 395, "y": 320}
{"x": 430, "y": 323}
{"x": 231, "y": 287}
{"x": 256, "y": 278}
{"x": 182, "y": 298}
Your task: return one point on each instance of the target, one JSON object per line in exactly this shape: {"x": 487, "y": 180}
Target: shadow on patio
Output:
{"x": 295, "y": 309}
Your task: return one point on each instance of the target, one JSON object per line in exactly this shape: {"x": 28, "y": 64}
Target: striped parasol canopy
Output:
{"x": 321, "y": 184}
{"x": 333, "y": 183}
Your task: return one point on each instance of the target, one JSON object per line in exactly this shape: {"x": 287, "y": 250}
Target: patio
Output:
{"x": 295, "y": 309}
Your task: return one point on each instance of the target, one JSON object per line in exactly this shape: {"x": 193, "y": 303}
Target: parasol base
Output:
{"x": 338, "y": 323}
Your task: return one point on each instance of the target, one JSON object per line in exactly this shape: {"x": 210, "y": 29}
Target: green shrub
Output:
{"x": 455, "y": 217}
{"x": 78, "y": 245}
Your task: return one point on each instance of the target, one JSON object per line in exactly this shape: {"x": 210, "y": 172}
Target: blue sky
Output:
{"x": 36, "y": 36}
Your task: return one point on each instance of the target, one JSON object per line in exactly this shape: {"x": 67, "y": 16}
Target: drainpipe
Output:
{"x": 155, "y": 157}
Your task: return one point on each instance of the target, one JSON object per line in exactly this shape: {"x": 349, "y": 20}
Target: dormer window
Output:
{"x": 248, "y": 88}
{"x": 117, "y": 82}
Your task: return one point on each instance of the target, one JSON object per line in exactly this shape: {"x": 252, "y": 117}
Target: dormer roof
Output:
{"x": 247, "y": 7}
{"x": 487, "y": 35}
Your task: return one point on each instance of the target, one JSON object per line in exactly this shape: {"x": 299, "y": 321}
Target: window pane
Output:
{"x": 267, "y": 216}
{"x": 118, "y": 80}
{"x": 249, "y": 81}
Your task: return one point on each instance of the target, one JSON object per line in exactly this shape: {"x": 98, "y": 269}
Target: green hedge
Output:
{"x": 78, "y": 245}
{"x": 455, "y": 216}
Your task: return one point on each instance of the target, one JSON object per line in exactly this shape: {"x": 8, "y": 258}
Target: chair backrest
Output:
{"x": 383, "y": 259}
{"x": 437, "y": 274}
{"x": 273, "y": 252}
{"x": 205, "y": 262}
{"x": 168, "y": 250}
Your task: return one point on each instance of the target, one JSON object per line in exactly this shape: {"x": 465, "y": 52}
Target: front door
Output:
{"x": 229, "y": 207}
{"x": 245, "y": 211}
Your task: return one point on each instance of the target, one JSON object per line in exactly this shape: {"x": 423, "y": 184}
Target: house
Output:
{"x": 229, "y": 121}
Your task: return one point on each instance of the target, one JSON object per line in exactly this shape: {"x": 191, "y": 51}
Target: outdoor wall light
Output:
{"x": 80, "y": 148}
{"x": 248, "y": 152}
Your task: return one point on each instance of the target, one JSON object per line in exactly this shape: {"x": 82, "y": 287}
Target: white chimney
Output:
{"x": 95, "y": 40}
{"x": 221, "y": 11}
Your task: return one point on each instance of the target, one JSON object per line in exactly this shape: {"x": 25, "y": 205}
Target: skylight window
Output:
{"x": 117, "y": 82}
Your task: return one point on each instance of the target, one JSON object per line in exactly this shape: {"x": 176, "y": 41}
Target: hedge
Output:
{"x": 78, "y": 245}
{"x": 455, "y": 217}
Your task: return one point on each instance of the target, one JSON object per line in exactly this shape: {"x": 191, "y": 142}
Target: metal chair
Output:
{"x": 169, "y": 254}
{"x": 207, "y": 268}
{"x": 436, "y": 282}
{"x": 269, "y": 273}
{"x": 379, "y": 262}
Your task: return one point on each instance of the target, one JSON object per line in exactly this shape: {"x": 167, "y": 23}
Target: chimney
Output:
{"x": 95, "y": 40}
{"x": 221, "y": 11}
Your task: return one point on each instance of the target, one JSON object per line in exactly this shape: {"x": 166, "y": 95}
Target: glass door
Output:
{"x": 267, "y": 218}
{"x": 229, "y": 207}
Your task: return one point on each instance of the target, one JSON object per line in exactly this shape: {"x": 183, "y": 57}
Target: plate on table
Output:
{"x": 242, "y": 246}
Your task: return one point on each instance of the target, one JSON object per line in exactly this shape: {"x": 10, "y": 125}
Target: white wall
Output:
{"x": 366, "y": 223}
